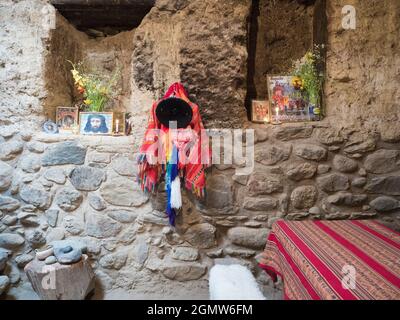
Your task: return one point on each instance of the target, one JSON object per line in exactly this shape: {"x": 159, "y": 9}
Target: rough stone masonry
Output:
{"x": 83, "y": 188}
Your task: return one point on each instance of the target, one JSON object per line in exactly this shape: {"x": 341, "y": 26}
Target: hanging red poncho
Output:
{"x": 188, "y": 147}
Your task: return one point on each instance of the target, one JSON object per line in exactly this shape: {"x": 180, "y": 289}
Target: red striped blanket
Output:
{"x": 334, "y": 260}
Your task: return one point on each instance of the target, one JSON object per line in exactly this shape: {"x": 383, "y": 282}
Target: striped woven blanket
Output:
{"x": 334, "y": 260}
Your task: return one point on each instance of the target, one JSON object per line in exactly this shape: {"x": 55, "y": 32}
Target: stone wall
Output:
{"x": 54, "y": 187}
{"x": 83, "y": 188}
{"x": 362, "y": 66}
{"x": 22, "y": 62}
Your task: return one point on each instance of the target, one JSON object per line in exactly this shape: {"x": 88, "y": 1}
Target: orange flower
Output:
{"x": 81, "y": 90}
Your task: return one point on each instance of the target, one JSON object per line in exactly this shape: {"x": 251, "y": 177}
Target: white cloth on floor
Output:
{"x": 233, "y": 282}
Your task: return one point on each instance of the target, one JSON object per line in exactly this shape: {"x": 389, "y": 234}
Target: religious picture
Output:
{"x": 67, "y": 119}
{"x": 286, "y": 99}
{"x": 96, "y": 123}
{"x": 260, "y": 111}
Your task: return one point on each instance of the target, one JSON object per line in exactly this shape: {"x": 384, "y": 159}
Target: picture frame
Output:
{"x": 96, "y": 123}
{"x": 287, "y": 101}
{"x": 119, "y": 124}
{"x": 260, "y": 111}
{"x": 67, "y": 119}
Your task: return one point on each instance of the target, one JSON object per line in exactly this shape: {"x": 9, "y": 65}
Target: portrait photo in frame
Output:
{"x": 260, "y": 111}
{"x": 67, "y": 119}
{"x": 96, "y": 123}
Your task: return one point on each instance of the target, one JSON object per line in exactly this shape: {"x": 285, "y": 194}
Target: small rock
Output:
{"x": 185, "y": 253}
{"x": 253, "y": 224}
{"x": 97, "y": 202}
{"x": 6, "y": 174}
{"x": 113, "y": 261}
{"x": 347, "y": 199}
{"x": 8, "y": 204}
{"x": 389, "y": 185}
{"x": 262, "y": 184}
{"x": 36, "y": 238}
{"x": 68, "y": 152}
{"x": 298, "y": 172}
{"x": 184, "y": 272}
{"x": 9, "y": 150}
{"x": 4, "y": 282}
{"x": 11, "y": 241}
{"x": 30, "y": 164}
{"x": 52, "y": 217}
{"x": 101, "y": 227}
{"x": 286, "y": 133}
{"x": 344, "y": 164}
{"x": 323, "y": 168}
{"x": 248, "y": 237}
{"x": 122, "y": 216}
{"x": 86, "y": 178}
{"x": 141, "y": 251}
{"x": 362, "y": 172}
{"x": 297, "y": 215}
{"x": 260, "y": 203}
{"x": 9, "y": 220}
{"x": 241, "y": 253}
{"x": 359, "y": 182}
{"x": 241, "y": 179}
{"x": 69, "y": 199}
{"x": 333, "y": 182}
{"x": 304, "y": 197}
{"x": 359, "y": 144}
{"x": 383, "y": 161}
{"x": 23, "y": 259}
{"x": 328, "y": 136}
{"x": 202, "y": 236}
{"x": 73, "y": 225}
{"x": 99, "y": 157}
{"x": 122, "y": 191}
{"x": 36, "y": 147}
{"x": 314, "y": 211}
{"x": 334, "y": 148}
{"x": 124, "y": 166}
{"x": 215, "y": 254}
{"x": 28, "y": 219}
{"x": 55, "y": 235}
{"x": 50, "y": 260}
{"x": 56, "y": 175}
{"x": 3, "y": 258}
{"x": 272, "y": 154}
{"x": 36, "y": 196}
{"x": 311, "y": 152}
{"x": 384, "y": 204}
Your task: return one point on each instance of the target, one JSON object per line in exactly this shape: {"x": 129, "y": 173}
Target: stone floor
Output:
{"x": 25, "y": 292}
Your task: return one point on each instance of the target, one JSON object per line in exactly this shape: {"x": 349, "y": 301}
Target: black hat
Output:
{"x": 174, "y": 109}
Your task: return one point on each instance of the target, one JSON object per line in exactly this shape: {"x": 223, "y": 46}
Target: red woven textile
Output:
{"x": 316, "y": 258}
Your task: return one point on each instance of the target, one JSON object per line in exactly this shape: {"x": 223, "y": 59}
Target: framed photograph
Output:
{"x": 260, "y": 111}
{"x": 66, "y": 119}
{"x": 119, "y": 124}
{"x": 286, "y": 100}
{"x": 96, "y": 123}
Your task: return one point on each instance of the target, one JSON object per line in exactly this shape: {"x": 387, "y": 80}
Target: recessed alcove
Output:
{"x": 100, "y": 18}
{"x": 101, "y": 34}
{"x": 280, "y": 32}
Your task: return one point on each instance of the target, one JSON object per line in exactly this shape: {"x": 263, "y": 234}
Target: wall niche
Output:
{"x": 101, "y": 35}
{"x": 280, "y": 32}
